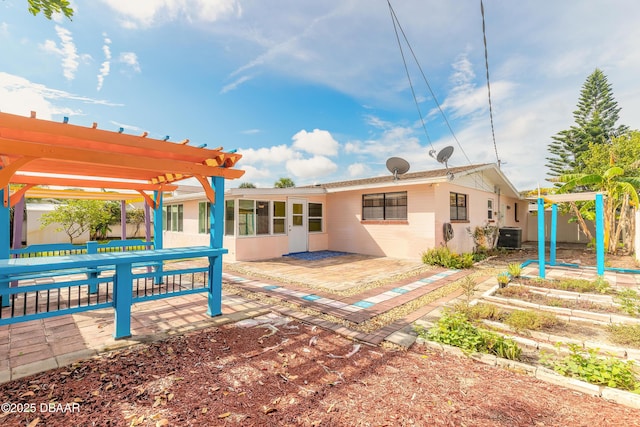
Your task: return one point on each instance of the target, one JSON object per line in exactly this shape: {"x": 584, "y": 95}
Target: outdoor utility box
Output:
{"x": 510, "y": 237}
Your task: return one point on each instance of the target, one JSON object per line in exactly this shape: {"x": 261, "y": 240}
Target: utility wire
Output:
{"x": 406, "y": 69}
{"x": 486, "y": 62}
{"x": 424, "y": 77}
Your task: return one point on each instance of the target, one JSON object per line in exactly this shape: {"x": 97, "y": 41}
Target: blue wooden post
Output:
{"x": 216, "y": 218}
{"x": 541, "y": 237}
{"x": 552, "y": 237}
{"x": 92, "y": 248}
{"x": 122, "y": 300}
{"x": 157, "y": 231}
{"x": 147, "y": 223}
{"x": 5, "y": 243}
{"x": 600, "y": 234}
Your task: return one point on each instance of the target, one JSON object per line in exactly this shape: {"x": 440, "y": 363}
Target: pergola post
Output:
{"x": 157, "y": 230}
{"x": 216, "y": 230}
{"x": 147, "y": 223}
{"x": 123, "y": 220}
{"x": 541, "y": 237}
{"x": 553, "y": 235}
{"x": 18, "y": 221}
{"x": 600, "y": 234}
{"x": 5, "y": 226}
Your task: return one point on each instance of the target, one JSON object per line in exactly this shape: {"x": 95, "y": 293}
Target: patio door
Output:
{"x": 297, "y": 225}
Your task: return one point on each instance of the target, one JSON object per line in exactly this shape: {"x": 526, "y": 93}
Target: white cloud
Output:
{"x": 357, "y": 169}
{"x": 131, "y": 59}
{"x": 66, "y": 50}
{"x": 234, "y": 85}
{"x": 20, "y": 96}
{"x": 151, "y": 12}
{"x": 267, "y": 155}
{"x": 251, "y": 131}
{"x": 4, "y": 29}
{"x": 317, "y": 166}
{"x": 319, "y": 142}
{"x": 106, "y": 65}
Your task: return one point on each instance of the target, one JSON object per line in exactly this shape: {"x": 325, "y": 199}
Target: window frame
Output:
{"x": 458, "y": 208}
{"x": 204, "y": 221}
{"x": 315, "y": 219}
{"x": 380, "y": 201}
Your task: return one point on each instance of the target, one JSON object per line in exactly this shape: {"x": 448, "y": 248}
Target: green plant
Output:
{"x": 625, "y": 334}
{"x": 588, "y": 366}
{"x": 514, "y": 269}
{"x": 629, "y": 301}
{"x": 444, "y": 257}
{"x": 454, "y": 329}
{"x": 583, "y": 285}
{"x": 485, "y": 311}
{"x": 503, "y": 279}
{"x": 529, "y": 319}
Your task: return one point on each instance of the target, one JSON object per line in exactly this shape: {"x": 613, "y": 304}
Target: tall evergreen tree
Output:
{"x": 595, "y": 122}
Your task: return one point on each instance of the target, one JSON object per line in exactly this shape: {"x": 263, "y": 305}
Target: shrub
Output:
{"x": 485, "y": 311}
{"x": 445, "y": 258}
{"x": 588, "y": 366}
{"x": 625, "y": 334}
{"x": 532, "y": 320}
{"x": 456, "y": 330}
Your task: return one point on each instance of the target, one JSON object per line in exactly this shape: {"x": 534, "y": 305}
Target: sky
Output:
{"x": 317, "y": 91}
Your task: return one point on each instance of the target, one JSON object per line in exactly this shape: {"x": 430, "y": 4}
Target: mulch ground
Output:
{"x": 293, "y": 374}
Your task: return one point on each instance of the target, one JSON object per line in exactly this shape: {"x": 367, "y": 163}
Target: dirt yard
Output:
{"x": 292, "y": 374}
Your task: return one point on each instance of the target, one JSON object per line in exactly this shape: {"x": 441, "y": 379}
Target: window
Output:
{"x": 229, "y": 223}
{"x": 258, "y": 217}
{"x": 315, "y": 217}
{"x": 262, "y": 214}
{"x": 515, "y": 212}
{"x": 458, "y": 206}
{"x": 490, "y": 209}
{"x": 279, "y": 217}
{"x": 246, "y": 218}
{"x": 204, "y": 223}
{"x": 172, "y": 217}
{"x": 384, "y": 206}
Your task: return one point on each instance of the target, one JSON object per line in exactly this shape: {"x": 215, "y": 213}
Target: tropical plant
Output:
{"x": 621, "y": 194}
{"x": 136, "y": 217}
{"x": 247, "y": 185}
{"x": 444, "y": 257}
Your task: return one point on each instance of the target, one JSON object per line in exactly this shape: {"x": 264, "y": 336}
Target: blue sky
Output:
{"x": 316, "y": 90}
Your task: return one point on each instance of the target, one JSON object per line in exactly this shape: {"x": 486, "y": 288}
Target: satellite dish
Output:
{"x": 445, "y": 154}
{"x": 397, "y": 166}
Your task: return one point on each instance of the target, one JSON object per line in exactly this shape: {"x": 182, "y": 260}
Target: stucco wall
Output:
{"x": 407, "y": 240}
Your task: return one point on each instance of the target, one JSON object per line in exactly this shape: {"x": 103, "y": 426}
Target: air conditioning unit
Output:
{"x": 510, "y": 237}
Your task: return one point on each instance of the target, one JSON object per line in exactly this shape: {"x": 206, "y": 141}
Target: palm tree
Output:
{"x": 621, "y": 195}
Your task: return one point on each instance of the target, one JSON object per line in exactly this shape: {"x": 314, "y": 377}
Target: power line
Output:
{"x": 395, "y": 20}
{"x": 486, "y": 62}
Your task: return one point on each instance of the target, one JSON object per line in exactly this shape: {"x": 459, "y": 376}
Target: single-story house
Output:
{"x": 398, "y": 217}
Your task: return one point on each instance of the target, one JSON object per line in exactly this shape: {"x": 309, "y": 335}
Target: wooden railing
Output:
{"x": 46, "y": 286}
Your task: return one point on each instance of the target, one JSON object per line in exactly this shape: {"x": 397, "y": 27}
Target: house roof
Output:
{"x": 426, "y": 177}
{"x": 41, "y": 152}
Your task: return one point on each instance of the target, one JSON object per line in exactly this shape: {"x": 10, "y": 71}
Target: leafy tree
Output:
{"x": 595, "y": 122}
{"x": 136, "y": 217}
{"x": 49, "y": 7}
{"x": 284, "y": 183}
{"x": 247, "y": 185}
{"x": 624, "y": 151}
{"x": 78, "y": 216}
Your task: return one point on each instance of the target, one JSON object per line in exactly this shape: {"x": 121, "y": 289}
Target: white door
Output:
{"x": 297, "y": 225}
